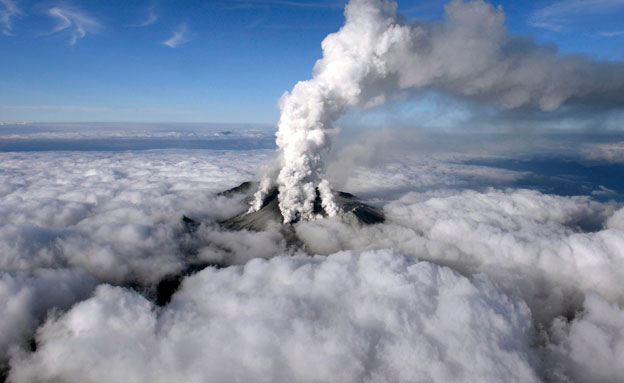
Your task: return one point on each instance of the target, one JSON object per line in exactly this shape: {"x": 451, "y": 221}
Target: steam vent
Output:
{"x": 353, "y": 210}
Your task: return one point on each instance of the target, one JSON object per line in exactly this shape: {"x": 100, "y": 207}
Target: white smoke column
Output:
{"x": 309, "y": 110}
{"x": 377, "y": 55}
{"x": 265, "y": 184}
{"x": 327, "y": 199}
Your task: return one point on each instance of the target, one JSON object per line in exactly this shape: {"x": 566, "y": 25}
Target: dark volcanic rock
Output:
{"x": 245, "y": 187}
{"x": 353, "y": 210}
{"x": 190, "y": 225}
{"x": 362, "y": 212}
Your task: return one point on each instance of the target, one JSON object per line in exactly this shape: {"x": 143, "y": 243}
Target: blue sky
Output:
{"x": 214, "y": 61}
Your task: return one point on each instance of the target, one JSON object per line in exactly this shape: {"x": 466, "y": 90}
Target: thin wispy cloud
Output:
{"x": 298, "y": 26}
{"x": 181, "y": 35}
{"x": 301, "y": 4}
{"x": 612, "y": 33}
{"x": 149, "y": 18}
{"x": 557, "y": 16}
{"x": 8, "y": 10}
{"x": 242, "y": 4}
{"x": 77, "y": 22}
{"x": 267, "y": 5}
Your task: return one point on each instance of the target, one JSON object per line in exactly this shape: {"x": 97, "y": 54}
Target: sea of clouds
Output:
{"x": 471, "y": 277}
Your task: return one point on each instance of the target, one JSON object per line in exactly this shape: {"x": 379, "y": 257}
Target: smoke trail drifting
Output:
{"x": 377, "y": 55}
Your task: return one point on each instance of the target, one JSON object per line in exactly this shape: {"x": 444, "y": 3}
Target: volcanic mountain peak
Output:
{"x": 352, "y": 209}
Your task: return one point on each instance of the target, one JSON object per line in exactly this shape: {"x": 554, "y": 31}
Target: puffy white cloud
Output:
{"x": 227, "y": 247}
{"x": 71, "y": 217}
{"x": 589, "y": 348}
{"x": 375, "y": 316}
{"x": 616, "y": 221}
{"x": 532, "y": 244}
{"x": 118, "y": 215}
{"x": 26, "y": 299}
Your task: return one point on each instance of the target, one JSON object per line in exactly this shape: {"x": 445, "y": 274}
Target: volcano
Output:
{"x": 352, "y": 209}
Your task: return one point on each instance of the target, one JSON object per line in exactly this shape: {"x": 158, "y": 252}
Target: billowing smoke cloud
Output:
{"x": 377, "y": 55}
{"x": 374, "y": 317}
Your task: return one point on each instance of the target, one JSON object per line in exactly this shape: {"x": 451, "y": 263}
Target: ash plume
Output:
{"x": 377, "y": 55}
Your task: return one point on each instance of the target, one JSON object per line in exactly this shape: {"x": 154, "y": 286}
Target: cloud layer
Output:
{"x": 111, "y": 214}
{"x": 375, "y": 316}
{"x": 532, "y": 276}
